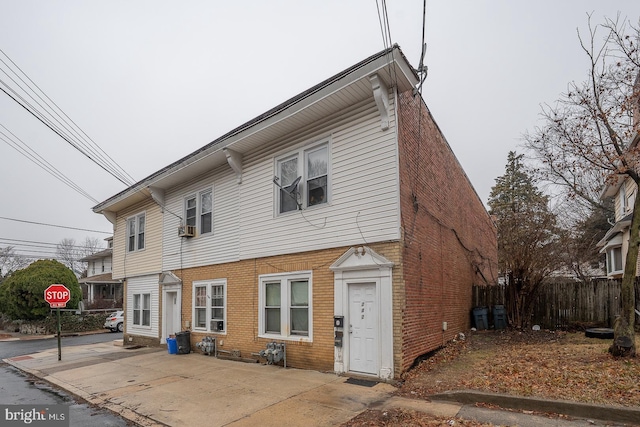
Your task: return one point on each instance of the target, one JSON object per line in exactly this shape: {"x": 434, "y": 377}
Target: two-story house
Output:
{"x": 339, "y": 222}
{"x": 615, "y": 243}
{"x": 99, "y": 288}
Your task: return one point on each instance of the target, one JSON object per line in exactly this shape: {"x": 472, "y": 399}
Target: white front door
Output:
{"x": 363, "y": 328}
{"x": 171, "y": 313}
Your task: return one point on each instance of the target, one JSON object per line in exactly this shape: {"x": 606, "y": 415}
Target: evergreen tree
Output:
{"x": 22, "y": 293}
{"x": 527, "y": 238}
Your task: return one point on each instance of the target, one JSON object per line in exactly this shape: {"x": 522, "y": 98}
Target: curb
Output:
{"x": 16, "y": 336}
{"x": 574, "y": 409}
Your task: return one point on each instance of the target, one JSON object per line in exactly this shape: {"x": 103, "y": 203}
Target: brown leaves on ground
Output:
{"x": 405, "y": 417}
{"x": 554, "y": 365}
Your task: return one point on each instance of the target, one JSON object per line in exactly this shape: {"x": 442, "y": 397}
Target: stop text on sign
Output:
{"x": 57, "y": 295}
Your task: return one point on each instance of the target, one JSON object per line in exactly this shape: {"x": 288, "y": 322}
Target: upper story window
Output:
{"x": 198, "y": 211}
{"x": 304, "y": 178}
{"x": 631, "y": 199}
{"x": 135, "y": 232}
{"x": 623, "y": 199}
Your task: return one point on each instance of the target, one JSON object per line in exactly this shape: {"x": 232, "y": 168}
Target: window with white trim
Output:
{"x": 135, "y": 232}
{"x": 614, "y": 260}
{"x": 198, "y": 211}
{"x": 142, "y": 310}
{"x": 209, "y": 305}
{"x": 623, "y": 199}
{"x": 285, "y": 305}
{"x": 304, "y": 178}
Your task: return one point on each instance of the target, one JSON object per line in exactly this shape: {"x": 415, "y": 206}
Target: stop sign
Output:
{"x": 57, "y": 296}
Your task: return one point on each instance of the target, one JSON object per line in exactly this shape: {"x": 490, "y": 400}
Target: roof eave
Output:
{"x": 406, "y": 78}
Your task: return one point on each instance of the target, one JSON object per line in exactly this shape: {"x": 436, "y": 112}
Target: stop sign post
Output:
{"x": 57, "y": 296}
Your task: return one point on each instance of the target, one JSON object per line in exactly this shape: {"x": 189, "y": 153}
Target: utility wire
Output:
{"x": 48, "y": 109}
{"x": 56, "y": 120}
{"x": 54, "y": 225}
{"x": 23, "y": 148}
{"x": 19, "y": 242}
{"x": 64, "y": 137}
{"x": 130, "y": 178}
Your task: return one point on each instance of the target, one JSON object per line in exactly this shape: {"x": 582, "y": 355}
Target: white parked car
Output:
{"x": 115, "y": 321}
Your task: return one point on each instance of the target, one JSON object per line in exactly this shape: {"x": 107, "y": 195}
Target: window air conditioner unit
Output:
{"x": 217, "y": 326}
{"x": 186, "y": 231}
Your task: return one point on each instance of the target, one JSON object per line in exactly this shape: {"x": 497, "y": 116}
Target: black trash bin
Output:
{"x": 183, "y": 339}
{"x": 499, "y": 317}
{"x": 480, "y": 318}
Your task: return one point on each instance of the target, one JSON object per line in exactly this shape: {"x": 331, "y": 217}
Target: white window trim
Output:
{"x": 285, "y": 305}
{"x": 301, "y": 154}
{"x": 137, "y": 232}
{"x": 141, "y": 326}
{"x": 209, "y": 284}
{"x": 611, "y": 263}
{"x": 198, "y": 196}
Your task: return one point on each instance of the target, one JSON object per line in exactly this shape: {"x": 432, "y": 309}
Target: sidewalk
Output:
{"x": 153, "y": 388}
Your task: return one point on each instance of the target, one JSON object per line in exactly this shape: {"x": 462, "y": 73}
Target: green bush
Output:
{"x": 22, "y": 294}
{"x": 70, "y": 322}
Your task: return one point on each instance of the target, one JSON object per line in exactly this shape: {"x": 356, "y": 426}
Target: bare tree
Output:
{"x": 590, "y": 138}
{"x": 10, "y": 261}
{"x": 70, "y": 254}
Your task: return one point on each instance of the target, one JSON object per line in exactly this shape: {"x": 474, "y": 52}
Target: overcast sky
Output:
{"x": 151, "y": 81}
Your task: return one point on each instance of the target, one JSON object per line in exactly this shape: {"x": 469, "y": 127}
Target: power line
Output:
{"x": 58, "y": 121}
{"x": 17, "y": 244}
{"x": 28, "y": 152}
{"x": 130, "y": 178}
{"x": 54, "y": 225}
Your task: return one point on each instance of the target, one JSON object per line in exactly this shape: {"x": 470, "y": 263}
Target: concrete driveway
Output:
{"x": 152, "y": 387}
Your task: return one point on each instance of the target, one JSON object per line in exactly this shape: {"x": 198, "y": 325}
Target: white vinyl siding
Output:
{"x": 137, "y": 263}
{"x": 216, "y": 247}
{"x": 142, "y": 306}
{"x": 364, "y": 194}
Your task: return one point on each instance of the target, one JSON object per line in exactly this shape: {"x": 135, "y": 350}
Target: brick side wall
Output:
{"x": 449, "y": 240}
{"x": 243, "y": 304}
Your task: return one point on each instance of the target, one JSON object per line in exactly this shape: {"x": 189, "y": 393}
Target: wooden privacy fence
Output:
{"x": 564, "y": 304}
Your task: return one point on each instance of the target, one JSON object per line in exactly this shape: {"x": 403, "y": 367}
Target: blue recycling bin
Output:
{"x": 499, "y": 317}
{"x": 481, "y": 318}
{"x": 172, "y": 346}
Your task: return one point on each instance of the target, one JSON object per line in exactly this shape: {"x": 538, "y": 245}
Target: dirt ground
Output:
{"x": 547, "y": 364}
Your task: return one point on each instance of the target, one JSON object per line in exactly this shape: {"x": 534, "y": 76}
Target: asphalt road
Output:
{"x": 17, "y": 388}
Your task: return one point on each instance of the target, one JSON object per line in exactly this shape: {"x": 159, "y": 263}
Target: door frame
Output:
{"x": 166, "y": 290}
{"x": 363, "y": 265}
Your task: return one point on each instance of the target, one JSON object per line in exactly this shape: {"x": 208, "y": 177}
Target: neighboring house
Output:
{"x": 615, "y": 243}
{"x": 339, "y": 222}
{"x": 624, "y": 190}
{"x": 99, "y": 287}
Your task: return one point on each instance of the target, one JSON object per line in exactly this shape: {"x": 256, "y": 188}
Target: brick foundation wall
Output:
{"x": 243, "y": 304}
{"x": 449, "y": 240}
{"x": 129, "y": 339}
